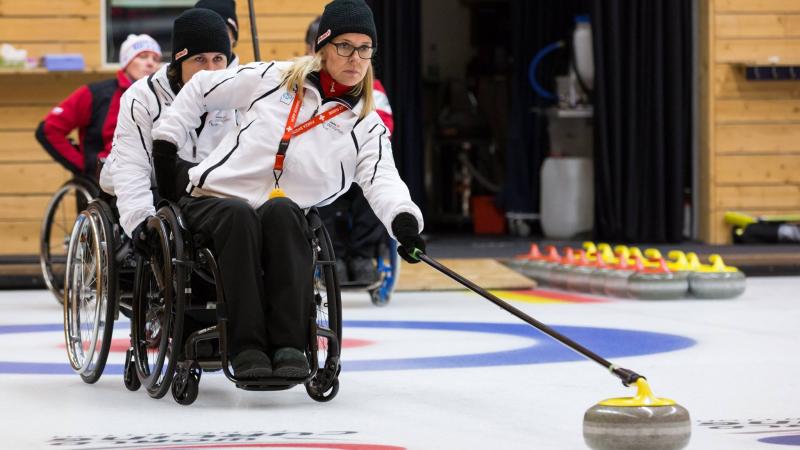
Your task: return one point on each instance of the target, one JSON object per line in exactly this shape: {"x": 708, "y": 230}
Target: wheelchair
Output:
{"x": 62, "y": 210}
{"x": 98, "y": 284}
{"x": 180, "y": 285}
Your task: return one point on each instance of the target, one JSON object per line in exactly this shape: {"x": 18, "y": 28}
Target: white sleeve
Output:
{"x": 130, "y": 171}
{"x": 377, "y": 175}
{"x": 209, "y": 91}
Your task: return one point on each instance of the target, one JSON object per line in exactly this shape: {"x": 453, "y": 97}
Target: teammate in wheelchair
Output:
{"x": 250, "y": 199}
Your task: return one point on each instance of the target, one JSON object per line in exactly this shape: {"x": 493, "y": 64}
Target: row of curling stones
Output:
{"x": 626, "y": 272}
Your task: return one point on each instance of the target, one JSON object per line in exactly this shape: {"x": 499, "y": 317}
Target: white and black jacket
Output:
{"x": 320, "y": 164}
{"x": 127, "y": 173}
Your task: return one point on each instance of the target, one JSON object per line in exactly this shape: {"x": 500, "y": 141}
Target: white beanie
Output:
{"x": 135, "y": 44}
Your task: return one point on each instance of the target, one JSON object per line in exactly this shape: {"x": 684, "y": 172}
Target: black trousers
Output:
{"x": 353, "y": 227}
{"x": 266, "y": 262}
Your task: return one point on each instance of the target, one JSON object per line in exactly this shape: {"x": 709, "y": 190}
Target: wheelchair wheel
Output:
{"x": 157, "y": 321}
{"x": 68, "y": 201}
{"x": 325, "y": 384}
{"x": 90, "y": 293}
{"x": 186, "y": 384}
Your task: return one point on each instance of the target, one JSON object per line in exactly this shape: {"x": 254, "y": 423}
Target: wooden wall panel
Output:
{"x": 31, "y": 178}
{"x": 758, "y": 111}
{"x": 758, "y": 138}
{"x": 20, "y": 238}
{"x": 24, "y": 117}
{"x": 750, "y": 130}
{"x": 738, "y": 26}
{"x": 755, "y": 197}
{"x": 47, "y": 29}
{"x": 47, "y": 89}
{"x": 758, "y": 51}
{"x": 35, "y": 8}
{"x": 20, "y": 146}
{"x": 23, "y": 207}
{"x": 757, "y": 6}
{"x": 758, "y": 169}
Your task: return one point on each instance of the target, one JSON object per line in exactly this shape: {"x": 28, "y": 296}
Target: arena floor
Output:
{"x": 445, "y": 370}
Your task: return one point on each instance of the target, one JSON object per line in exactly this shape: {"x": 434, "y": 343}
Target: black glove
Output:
{"x": 406, "y": 230}
{"x": 165, "y": 156}
{"x": 145, "y": 240}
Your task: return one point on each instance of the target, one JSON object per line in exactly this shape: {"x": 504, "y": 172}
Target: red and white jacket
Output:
{"x": 382, "y": 106}
{"x": 92, "y": 109}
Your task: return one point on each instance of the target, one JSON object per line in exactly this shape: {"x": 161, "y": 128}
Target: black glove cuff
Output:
{"x": 165, "y": 155}
{"x": 405, "y": 224}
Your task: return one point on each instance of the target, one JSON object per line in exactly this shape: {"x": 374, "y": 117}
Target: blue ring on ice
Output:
{"x": 608, "y": 342}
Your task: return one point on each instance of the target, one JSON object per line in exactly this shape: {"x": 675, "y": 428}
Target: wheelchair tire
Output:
{"x": 158, "y": 304}
{"x": 56, "y": 225}
{"x": 90, "y": 293}
{"x": 328, "y": 322}
{"x": 186, "y": 385}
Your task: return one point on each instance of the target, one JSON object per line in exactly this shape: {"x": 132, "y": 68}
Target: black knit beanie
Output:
{"x": 226, "y": 9}
{"x": 199, "y": 30}
{"x": 345, "y": 16}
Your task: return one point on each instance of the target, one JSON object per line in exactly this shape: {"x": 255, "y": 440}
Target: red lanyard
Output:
{"x": 291, "y": 131}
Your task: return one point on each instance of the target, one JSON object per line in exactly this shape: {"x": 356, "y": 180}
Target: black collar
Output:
{"x": 349, "y": 100}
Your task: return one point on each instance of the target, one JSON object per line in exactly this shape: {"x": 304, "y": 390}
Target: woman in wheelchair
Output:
{"x": 200, "y": 42}
{"x": 250, "y": 197}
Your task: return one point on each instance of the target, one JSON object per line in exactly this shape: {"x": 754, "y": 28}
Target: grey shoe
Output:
{"x": 363, "y": 270}
{"x": 252, "y": 364}
{"x": 290, "y": 363}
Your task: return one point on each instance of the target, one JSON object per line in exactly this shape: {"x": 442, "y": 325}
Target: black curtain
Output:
{"x": 398, "y": 66}
{"x": 534, "y": 24}
{"x": 643, "y": 118}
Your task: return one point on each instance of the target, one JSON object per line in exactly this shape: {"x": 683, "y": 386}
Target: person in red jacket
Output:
{"x": 92, "y": 110}
{"x": 355, "y": 231}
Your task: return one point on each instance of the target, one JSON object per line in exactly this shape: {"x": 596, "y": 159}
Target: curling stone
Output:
{"x": 615, "y": 283}
{"x": 657, "y": 283}
{"x": 578, "y": 279}
{"x": 539, "y": 269}
{"x": 520, "y": 261}
{"x": 597, "y": 279}
{"x": 591, "y": 250}
{"x": 559, "y": 273}
{"x": 716, "y": 280}
{"x": 643, "y": 422}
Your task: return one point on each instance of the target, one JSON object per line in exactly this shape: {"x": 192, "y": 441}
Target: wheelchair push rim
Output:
{"x": 57, "y": 218}
{"x": 158, "y": 313}
{"x": 87, "y": 306}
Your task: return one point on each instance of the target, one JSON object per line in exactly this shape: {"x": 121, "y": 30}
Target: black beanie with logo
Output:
{"x": 345, "y": 16}
{"x": 226, "y": 9}
{"x": 199, "y": 30}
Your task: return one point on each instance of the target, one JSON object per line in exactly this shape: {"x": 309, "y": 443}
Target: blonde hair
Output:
{"x": 302, "y": 66}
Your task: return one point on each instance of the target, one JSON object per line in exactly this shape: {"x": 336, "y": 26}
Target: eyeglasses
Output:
{"x": 347, "y": 50}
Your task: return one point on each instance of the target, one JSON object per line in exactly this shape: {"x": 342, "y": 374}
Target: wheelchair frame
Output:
{"x": 163, "y": 296}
